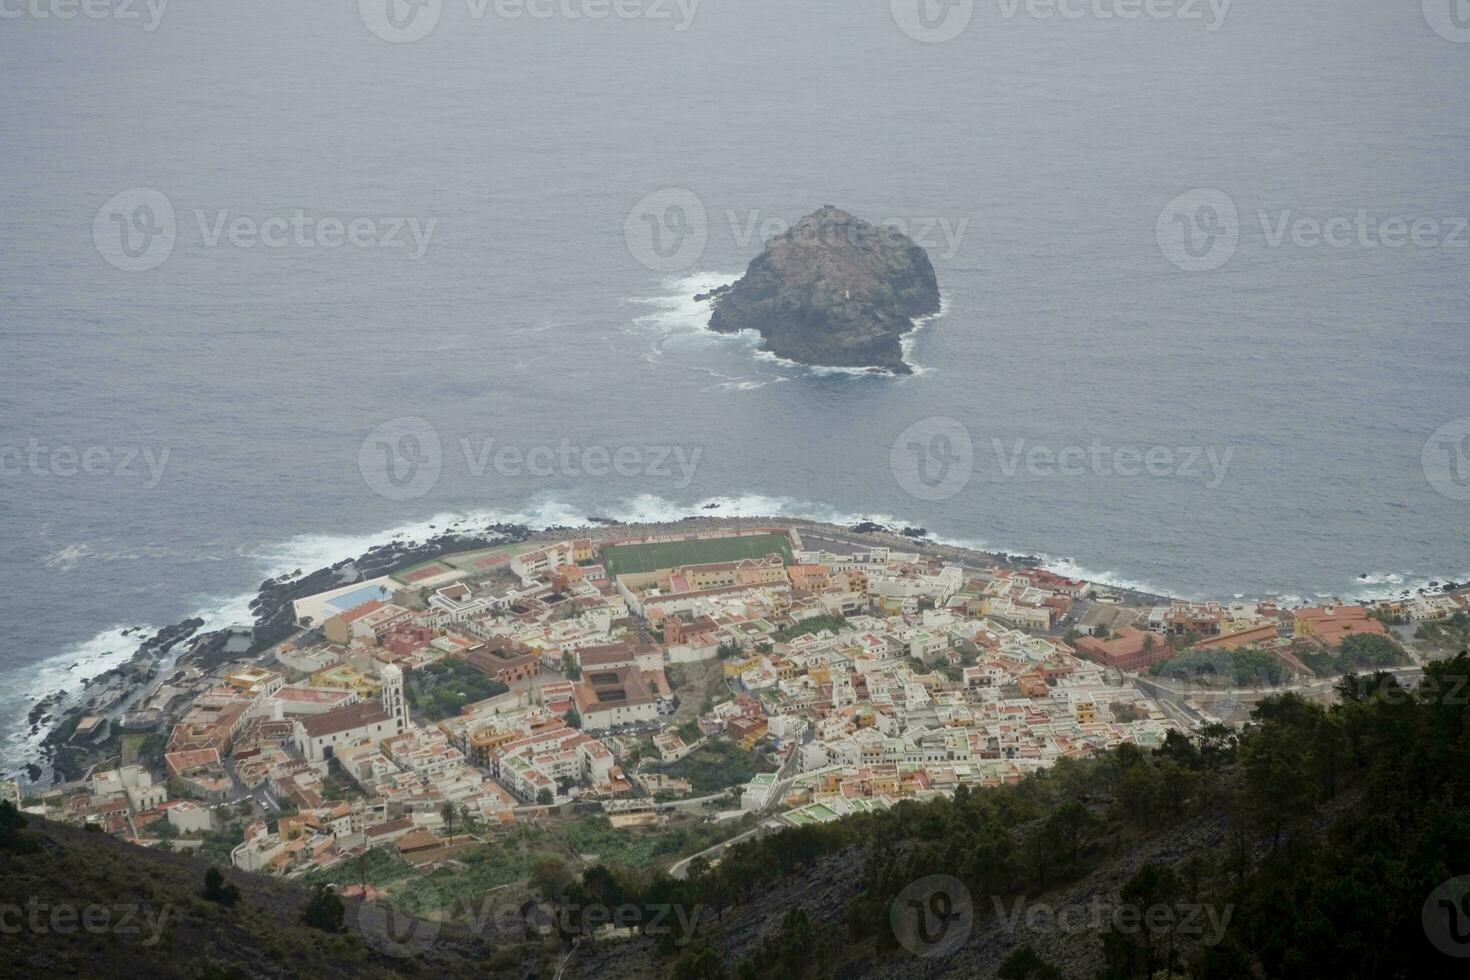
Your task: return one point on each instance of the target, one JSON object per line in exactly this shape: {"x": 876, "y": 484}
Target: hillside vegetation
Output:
{"x": 1322, "y": 843}
{"x": 79, "y": 904}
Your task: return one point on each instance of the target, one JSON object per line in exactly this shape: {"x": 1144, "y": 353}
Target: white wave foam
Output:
{"x": 308, "y": 552}
{"x": 909, "y": 341}
{"x": 1115, "y": 580}
{"x": 23, "y": 686}
{"x": 815, "y": 370}
{"x": 678, "y": 313}
{"x": 1398, "y": 584}
{"x": 1382, "y": 578}
{"x": 64, "y": 558}
{"x": 69, "y": 670}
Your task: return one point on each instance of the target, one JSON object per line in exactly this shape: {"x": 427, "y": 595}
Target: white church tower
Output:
{"x": 393, "y": 701}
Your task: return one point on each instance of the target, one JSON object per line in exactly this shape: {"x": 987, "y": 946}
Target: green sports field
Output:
{"x": 624, "y": 558}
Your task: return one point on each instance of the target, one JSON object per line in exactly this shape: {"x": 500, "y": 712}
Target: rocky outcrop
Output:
{"x": 834, "y": 291}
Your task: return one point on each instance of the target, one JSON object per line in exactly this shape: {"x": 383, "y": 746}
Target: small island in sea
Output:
{"x": 833, "y": 291}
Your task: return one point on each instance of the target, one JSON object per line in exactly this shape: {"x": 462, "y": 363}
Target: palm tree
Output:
{"x": 448, "y": 813}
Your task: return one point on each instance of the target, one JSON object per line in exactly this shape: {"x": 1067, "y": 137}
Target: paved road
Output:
{"x": 1171, "y": 702}
{"x": 1171, "y": 696}
{"x": 1304, "y": 687}
{"x": 681, "y": 868}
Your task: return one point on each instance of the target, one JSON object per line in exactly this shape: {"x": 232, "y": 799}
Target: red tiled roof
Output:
{"x": 342, "y": 719}
{"x": 357, "y": 612}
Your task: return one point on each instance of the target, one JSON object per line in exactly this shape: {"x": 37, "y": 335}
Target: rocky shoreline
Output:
{"x": 62, "y": 711}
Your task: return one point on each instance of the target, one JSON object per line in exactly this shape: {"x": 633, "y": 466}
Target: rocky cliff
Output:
{"x": 834, "y": 290}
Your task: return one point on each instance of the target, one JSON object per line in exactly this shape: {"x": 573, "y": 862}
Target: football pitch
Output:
{"x": 624, "y": 558}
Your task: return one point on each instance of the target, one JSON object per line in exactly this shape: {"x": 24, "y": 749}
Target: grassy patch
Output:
{"x": 482, "y": 870}
{"x": 717, "y": 765}
{"x": 146, "y": 750}
{"x": 814, "y": 625}
{"x": 1451, "y": 634}
{"x": 379, "y": 866}
{"x": 338, "y": 785}
{"x": 644, "y": 847}
{"x": 218, "y": 844}
{"x": 624, "y": 558}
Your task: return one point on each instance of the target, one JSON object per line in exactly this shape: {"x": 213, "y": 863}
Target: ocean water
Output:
{"x": 537, "y": 199}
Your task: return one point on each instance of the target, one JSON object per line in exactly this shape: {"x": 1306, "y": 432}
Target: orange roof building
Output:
{"x": 1333, "y": 624}
{"x": 1131, "y": 649}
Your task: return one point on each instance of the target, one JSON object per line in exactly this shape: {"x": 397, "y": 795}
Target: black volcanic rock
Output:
{"x": 834, "y": 290}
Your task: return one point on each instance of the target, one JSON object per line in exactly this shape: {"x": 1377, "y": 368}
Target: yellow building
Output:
{"x": 254, "y": 681}
{"x": 485, "y": 741}
{"x": 720, "y": 575}
{"x": 884, "y": 782}
{"x": 735, "y": 667}
{"x": 890, "y": 605}
{"x": 347, "y": 678}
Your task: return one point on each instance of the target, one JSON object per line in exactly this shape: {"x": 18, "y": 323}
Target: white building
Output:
{"x": 759, "y": 792}
{"x": 318, "y": 735}
{"x": 259, "y": 850}
{"x": 134, "y": 781}
{"x": 532, "y": 565}
{"x": 188, "y": 817}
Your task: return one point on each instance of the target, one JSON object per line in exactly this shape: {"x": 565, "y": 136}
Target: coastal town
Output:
{"x": 744, "y": 679}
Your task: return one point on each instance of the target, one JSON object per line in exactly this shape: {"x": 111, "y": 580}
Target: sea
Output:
{"x": 284, "y": 279}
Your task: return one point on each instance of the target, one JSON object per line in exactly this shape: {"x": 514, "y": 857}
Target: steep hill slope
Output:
{"x": 75, "y": 903}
